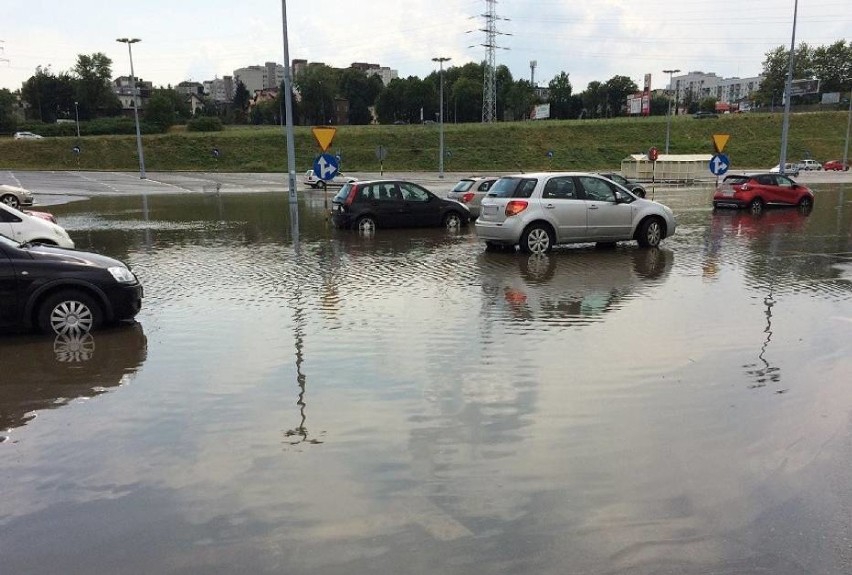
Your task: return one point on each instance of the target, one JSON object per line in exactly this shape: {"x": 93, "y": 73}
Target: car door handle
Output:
{"x": 593, "y": 207}
{"x": 550, "y": 206}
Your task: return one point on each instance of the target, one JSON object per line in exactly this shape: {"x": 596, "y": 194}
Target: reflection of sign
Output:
{"x": 801, "y": 87}
{"x": 381, "y": 153}
{"x": 719, "y": 142}
{"x": 653, "y": 154}
{"x": 719, "y": 164}
{"x": 324, "y": 135}
{"x": 326, "y": 166}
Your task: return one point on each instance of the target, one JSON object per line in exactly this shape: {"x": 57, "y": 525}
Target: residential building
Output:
{"x": 255, "y": 78}
{"x": 123, "y": 90}
{"x": 708, "y": 85}
{"x": 383, "y": 72}
{"x": 221, "y": 90}
{"x": 189, "y": 87}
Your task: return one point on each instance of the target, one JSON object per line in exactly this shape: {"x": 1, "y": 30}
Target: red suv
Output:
{"x": 757, "y": 190}
{"x": 836, "y": 165}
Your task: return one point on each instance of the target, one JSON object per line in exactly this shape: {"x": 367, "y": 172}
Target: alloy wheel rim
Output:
{"x": 11, "y": 201}
{"x": 538, "y": 241}
{"x": 71, "y": 317}
{"x": 654, "y": 233}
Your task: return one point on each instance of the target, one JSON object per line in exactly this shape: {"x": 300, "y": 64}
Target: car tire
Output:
{"x": 11, "y": 201}
{"x": 453, "y": 221}
{"x": 756, "y": 206}
{"x": 805, "y": 205}
{"x": 537, "y": 239}
{"x": 651, "y": 232}
{"x": 366, "y": 225}
{"x": 69, "y": 311}
{"x": 321, "y": 185}
{"x": 639, "y": 192}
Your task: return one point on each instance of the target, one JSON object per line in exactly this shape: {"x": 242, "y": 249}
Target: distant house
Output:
{"x": 187, "y": 88}
{"x": 195, "y": 103}
{"x": 123, "y": 90}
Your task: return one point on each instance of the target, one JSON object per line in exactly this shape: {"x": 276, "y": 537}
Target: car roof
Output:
{"x": 550, "y": 174}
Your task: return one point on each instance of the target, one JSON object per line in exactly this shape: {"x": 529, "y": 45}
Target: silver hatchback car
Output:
{"x": 538, "y": 211}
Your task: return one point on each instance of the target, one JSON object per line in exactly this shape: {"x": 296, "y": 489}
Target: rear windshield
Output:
{"x": 512, "y": 187}
{"x": 343, "y": 193}
{"x": 463, "y": 186}
{"x": 735, "y": 180}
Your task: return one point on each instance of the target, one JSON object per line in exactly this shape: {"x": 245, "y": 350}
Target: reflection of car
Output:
{"x": 24, "y": 228}
{"x": 789, "y": 169}
{"x": 313, "y": 181}
{"x": 634, "y": 187}
{"x": 43, "y": 215}
{"x": 704, "y": 114}
{"x": 50, "y": 373}
{"x": 27, "y": 136}
{"x": 569, "y": 289}
{"x": 394, "y": 204}
{"x": 809, "y": 165}
{"x": 62, "y": 290}
{"x": 836, "y": 165}
{"x": 15, "y": 196}
{"x": 757, "y": 190}
{"x": 470, "y": 192}
{"x": 538, "y": 211}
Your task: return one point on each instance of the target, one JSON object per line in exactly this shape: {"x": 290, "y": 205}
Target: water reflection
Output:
{"x": 570, "y": 287}
{"x": 39, "y": 373}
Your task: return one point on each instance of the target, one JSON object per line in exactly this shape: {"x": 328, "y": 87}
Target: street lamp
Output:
{"x": 129, "y": 42}
{"x": 669, "y": 109}
{"x": 77, "y": 115}
{"x": 848, "y": 125}
{"x": 441, "y": 61}
{"x": 785, "y": 124}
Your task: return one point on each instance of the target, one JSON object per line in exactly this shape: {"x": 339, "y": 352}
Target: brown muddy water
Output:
{"x": 305, "y": 400}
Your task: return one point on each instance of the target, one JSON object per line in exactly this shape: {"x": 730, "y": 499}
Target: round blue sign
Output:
{"x": 719, "y": 164}
{"x": 326, "y": 167}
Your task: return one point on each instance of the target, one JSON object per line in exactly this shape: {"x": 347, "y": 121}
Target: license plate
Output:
{"x": 489, "y": 210}
{"x": 728, "y": 193}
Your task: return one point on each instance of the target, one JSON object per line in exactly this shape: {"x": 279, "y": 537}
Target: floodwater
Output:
{"x": 296, "y": 399}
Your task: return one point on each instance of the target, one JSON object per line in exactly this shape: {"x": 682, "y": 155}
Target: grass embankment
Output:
{"x": 576, "y": 145}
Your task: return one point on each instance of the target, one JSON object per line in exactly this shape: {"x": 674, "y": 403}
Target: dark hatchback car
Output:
{"x": 633, "y": 186}
{"x": 63, "y": 291}
{"x": 375, "y": 204}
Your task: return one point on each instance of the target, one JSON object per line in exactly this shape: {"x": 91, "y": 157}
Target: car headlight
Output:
{"x": 122, "y": 275}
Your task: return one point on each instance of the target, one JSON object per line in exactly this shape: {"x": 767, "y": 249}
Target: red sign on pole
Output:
{"x": 653, "y": 153}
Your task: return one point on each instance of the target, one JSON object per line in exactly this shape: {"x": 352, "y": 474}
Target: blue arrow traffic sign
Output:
{"x": 326, "y": 166}
{"x": 719, "y": 164}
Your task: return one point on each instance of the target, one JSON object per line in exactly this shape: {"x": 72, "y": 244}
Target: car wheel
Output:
{"x": 366, "y": 225}
{"x": 11, "y": 201}
{"x": 452, "y": 221}
{"x": 321, "y": 185}
{"x": 639, "y": 192}
{"x": 756, "y": 206}
{"x": 650, "y": 233}
{"x": 537, "y": 239}
{"x": 69, "y": 311}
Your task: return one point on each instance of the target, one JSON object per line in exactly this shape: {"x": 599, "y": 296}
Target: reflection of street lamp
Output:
{"x": 77, "y": 115}
{"x": 441, "y": 61}
{"x": 669, "y": 109}
{"x": 130, "y": 41}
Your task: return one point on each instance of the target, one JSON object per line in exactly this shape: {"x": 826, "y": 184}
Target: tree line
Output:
{"x": 87, "y": 92}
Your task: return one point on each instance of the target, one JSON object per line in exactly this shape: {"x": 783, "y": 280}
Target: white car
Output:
{"x": 809, "y": 165}
{"x": 313, "y": 181}
{"x": 15, "y": 196}
{"x": 538, "y": 211}
{"x": 23, "y": 228}
{"x": 27, "y": 136}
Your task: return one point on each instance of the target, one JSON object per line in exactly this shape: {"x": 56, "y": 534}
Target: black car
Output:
{"x": 375, "y": 204}
{"x": 63, "y": 291}
{"x": 635, "y": 187}
{"x": 703, "y": 114}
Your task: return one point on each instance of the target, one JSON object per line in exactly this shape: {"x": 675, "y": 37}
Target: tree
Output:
{"x": 616, "y": 91}
{"x": 560, "y": 96}
{"x": 775, "y": 68}
{"x": 240, "y": 102}
{"x": 831, "y": 64}
{"x": 318, "y": 85}
{"x": 49, "y": 96}
{"x": 594, "y": 100}
{"x": 361, "y": 92}
{"x": 8, "y": 121}
{"x": 165, "y": 107}
{"x": 92, "y": 90}
{"x": 466, "y": 99}
{"x": 520, "y": 98}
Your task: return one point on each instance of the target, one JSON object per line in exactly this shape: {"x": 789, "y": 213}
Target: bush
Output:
{"x": 118, "y": 125}
{"x": 204, "y": 124}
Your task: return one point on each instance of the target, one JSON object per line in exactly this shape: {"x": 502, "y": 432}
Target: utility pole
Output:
{"x": 669, "y": 109}
{"x": 533, "y": 64}
{"x": 489, "y": 85}
{"x": 440, "y": 60}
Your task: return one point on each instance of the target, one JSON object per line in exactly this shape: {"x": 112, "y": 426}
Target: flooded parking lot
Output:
{"x": 298, "y": 399}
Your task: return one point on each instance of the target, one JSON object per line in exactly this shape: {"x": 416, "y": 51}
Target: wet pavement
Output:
{"x": 298, "y": 399}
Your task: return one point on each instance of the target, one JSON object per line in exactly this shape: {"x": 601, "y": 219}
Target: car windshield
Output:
{"x": 735, "y": 180}
{"x": 618, "y": 179}
{"x": 8, "y": 242}
{"x": 512, "y": 187}
{"x": 463, "y": 186}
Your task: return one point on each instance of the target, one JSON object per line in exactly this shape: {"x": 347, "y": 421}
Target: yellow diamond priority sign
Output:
{"x": 324, "y": 135}
{"x": 720, "y": 141}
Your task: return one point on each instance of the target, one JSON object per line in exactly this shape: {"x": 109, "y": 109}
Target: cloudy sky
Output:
{"x": 591, "y": 40}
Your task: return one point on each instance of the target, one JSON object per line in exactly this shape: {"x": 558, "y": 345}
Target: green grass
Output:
{"x": 577, "y": 145}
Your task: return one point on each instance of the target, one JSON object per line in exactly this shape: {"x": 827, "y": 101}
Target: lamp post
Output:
{"x": 785, "y": 125}
{"x": 848, "y": 125}
{"x": 129, "y": 42}
{"x": 669, "y": 109}
{"x": 77, "y": 116}
{"x": 441, "y": 61}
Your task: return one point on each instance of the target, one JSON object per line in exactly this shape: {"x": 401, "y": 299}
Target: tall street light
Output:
{"x": 669, "y": 110}
{"x": 788, "y": 85}
{"x": 441, "y": 61}
{"x": 848, "y": 125}
{"x": 129, "y": 42}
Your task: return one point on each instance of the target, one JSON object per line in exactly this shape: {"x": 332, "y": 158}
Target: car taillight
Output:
{"x": 515, "y": 207}
{"x": 353, "y": 190}
{"x": 467, "y": 198}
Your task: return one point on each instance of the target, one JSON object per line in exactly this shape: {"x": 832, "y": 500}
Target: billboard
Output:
{"x": 802, "y": 87}
{"x": 540, "y": 112}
